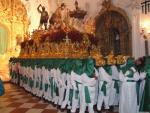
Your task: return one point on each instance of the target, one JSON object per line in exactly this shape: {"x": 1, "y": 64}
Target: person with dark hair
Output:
{"x": 44, "y": 16}
{"x": 139, "y": 63}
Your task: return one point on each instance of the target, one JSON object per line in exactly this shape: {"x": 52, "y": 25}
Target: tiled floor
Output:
{"x": 16, "y": 100}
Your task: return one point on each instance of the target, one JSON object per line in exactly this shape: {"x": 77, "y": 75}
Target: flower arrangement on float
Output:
{"x": 50, "y": 44}
{"x": 73, "y": 35}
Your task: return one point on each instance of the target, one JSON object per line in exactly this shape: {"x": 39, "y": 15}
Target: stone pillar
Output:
{"x": 137, "y": 41}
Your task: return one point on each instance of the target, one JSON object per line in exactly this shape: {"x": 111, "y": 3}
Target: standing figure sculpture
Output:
{"x": 60, "y": 18}
{"x": 116, "y": 40}
{"x": 44, "y": 16}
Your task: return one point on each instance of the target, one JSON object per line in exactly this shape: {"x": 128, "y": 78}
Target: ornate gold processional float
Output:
{"x": 63, "y": 39}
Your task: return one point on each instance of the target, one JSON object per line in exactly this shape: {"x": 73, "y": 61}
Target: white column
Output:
{"x": 138, "y": 49}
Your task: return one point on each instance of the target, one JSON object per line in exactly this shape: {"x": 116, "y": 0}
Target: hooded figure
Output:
{"x": 105, "y": 81}
{"x": 68, "y": 91}
{"x": 89, "y": 67}
{"x": 114, "y": 93}
{"x": 76, "y": 83}
{"x": 128, "y": 91}
{"x": 88, "y": 80}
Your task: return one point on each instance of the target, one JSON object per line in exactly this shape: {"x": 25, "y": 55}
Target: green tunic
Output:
{"x": 145, "y": 103}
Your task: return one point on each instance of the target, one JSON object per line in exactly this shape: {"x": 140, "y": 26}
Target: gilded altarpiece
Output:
{"x": 113, "y": 29}
{"x": 13, "y": 17}
{"x": 13, "y": 20}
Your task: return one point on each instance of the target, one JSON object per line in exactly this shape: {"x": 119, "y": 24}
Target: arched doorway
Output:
{"x": 3, "y": 40}
{"x": 114, "y": 31}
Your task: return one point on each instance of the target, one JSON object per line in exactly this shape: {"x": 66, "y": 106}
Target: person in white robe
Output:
{"x": 27, "y": 78}
{"x": 35, "y": 80}
{"x": 114, "y": 91}
{"x": 142, "y": 86}
{"x": 88, "y": 79}
{"x": 21, "y": 75}
{"x": 59, "y": 88}
{"x": 67, "y": 97}
{"x": 76, "y": 83}
{"x": 39, "y": 72}
{"x": 128, "y": 91}
{"x": 56, "y": 87}
{"x": 87, "y": 93}
{"x": 31, "y": 79}
{"x": 46, "y": 84}
{"x": 96, "y": 87}
{"x": 139, "y": 63}
{"x": 105, "y": 81}
{"x": 49, "y": 97}
{"x": 66, "y": 93}
{"x": 51, "y": 79}
{"x": 62, "y": 87}
{"x": 14, "y": 70}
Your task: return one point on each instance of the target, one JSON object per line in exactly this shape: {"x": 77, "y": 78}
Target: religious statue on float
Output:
{"x": 59, "y": 18}
{"x": 44, "y": 16}
{"x": 89, "y": 25}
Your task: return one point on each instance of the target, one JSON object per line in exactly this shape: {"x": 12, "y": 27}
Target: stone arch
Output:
{"x": 113, "y": 20}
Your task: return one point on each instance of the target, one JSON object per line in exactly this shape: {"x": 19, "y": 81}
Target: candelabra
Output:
{"x": 145, "y": 6}
{"x": 146, "y": 36}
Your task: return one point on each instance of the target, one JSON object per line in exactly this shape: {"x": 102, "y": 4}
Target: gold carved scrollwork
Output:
{"x": 13, "y": 15}
{"x": 13, "y": 18}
